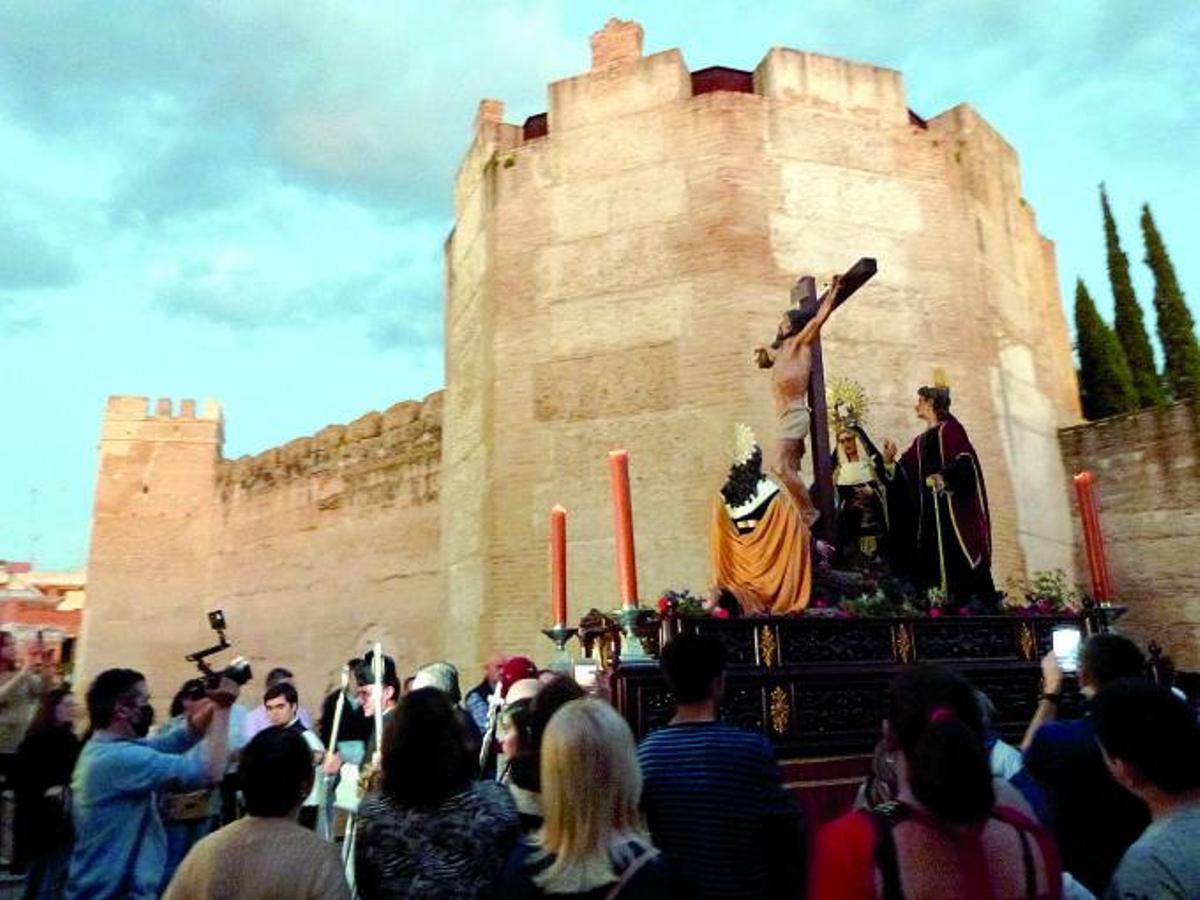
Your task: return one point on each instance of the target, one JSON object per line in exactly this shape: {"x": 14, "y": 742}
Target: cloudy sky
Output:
{"x": 248, "y": 200}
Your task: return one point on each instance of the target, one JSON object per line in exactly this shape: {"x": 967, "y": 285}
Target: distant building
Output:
{"x": 43, "y": 611}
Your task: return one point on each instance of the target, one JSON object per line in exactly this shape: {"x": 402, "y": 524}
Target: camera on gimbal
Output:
{"x": 238, "y": 671}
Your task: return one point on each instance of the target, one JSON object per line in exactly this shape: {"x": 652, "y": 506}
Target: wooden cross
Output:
{"x": 804, "y": 293}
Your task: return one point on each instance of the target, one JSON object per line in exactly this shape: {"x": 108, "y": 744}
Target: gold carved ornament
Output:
{"x": 902, "y": 643}
{"x": 1027, "y": 641}
{"x": 781, "y": 712}
{"x": 768, "y": 649}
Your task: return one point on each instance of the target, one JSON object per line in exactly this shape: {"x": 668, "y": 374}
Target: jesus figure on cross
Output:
{"x": 791, "y": 364}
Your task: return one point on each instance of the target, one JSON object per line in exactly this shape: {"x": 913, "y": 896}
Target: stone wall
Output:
{"x": 312, "y": 548}
{"x": 607, "y": 280}
{"x": 1147, "y": 471}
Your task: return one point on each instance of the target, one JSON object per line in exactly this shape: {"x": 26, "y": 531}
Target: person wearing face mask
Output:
{"x": 120, "y": 845}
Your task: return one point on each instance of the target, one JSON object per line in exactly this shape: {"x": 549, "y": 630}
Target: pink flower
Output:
{"x": 935, "y": 613}
{"x": 820, "y": 603}
{"x": 964, "y": 610}
{"x": 843, "y": 614}
{"x": 720, "y": 613}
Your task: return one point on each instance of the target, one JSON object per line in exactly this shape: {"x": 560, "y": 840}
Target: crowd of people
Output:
{"x": 530, "y": 787}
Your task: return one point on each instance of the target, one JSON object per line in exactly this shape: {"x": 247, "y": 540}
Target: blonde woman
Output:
{"x": 592, "y": 844}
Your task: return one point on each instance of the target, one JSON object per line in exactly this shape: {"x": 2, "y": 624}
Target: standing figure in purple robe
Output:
{"x": 941, "y": 471}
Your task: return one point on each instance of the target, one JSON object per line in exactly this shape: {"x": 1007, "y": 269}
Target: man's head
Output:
{"x": 794, "y": 320}
{"x": 276, "y": 773}
{"x": 365, "y": 678}
{"x": 440, "y": 675}
{"x": 694, "y": 667}
{"x": 933, "y": 404}
{"x": 281, "y": 701}
{"x": 119, "y": 701}
{"x": 1150, "y": 738}
{"x": 492, "y": 667}
{"x": 1104, "y": 658}
{"x": 278, "y": 676}
{"x": 191, "y": 692}
{"x": 516, "y": 668}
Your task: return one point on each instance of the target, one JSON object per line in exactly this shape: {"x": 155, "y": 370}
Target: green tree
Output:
{"x": 1176, "y": 328}
{"x": 1127, "y": 316}
{"x": 1105, "y": 384}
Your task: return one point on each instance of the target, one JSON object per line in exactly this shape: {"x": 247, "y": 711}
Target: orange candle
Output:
{"x": 618, "y": 464}
{"x": 1093, "y": 538}
{"x": 558, "y": 564}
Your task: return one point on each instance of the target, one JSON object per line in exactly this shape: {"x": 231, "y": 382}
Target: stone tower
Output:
{"x": 150, "y": 561}
{"x": 614, "y": 260}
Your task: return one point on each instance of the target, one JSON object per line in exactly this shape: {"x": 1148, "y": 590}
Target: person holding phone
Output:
{"x": 1094, "y": 819}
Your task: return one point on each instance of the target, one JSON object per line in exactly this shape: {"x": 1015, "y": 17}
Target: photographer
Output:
{"x": 120, "y": 846}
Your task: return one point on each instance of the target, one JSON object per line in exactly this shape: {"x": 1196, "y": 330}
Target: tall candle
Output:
{"x": 377, "y": 665}
{"x": 618, "y": 464}
{"x": 1093, "y": 538}
{"x": 558, "y": 564}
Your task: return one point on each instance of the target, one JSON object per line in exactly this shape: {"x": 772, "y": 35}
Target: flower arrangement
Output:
{"x": 685, "y": 603}
{"x": 1048, "y": 593}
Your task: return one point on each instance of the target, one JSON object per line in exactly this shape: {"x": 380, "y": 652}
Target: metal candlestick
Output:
{"x": 632, "y": 650}
{"x": 560, "y": 634}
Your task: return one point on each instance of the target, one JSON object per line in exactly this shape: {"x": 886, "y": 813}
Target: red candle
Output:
{"x": 558, "y": 564}
{"x": 1093, "y": 538}
{"x": 618, "y": 464}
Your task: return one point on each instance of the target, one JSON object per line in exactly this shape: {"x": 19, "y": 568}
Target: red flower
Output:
{"x": 935, "y": 613}
{"x": 720, "y": 613}
{"x": 664, "y": 604}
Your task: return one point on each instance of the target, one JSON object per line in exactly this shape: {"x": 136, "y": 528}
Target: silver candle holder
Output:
{"x": 560, "y": 634}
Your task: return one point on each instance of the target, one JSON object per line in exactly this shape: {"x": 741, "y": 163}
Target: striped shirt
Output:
{"x": 715, "y": 804}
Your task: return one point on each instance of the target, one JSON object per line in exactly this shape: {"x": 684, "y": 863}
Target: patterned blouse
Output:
{"x": 455, "y": 850}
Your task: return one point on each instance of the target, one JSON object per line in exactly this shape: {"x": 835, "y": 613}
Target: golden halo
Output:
{"x": 846, "y": 402}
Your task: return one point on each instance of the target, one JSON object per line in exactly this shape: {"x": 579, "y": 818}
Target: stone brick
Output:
{"x": 610, "y": 292}
{"x": 1147, "y": 475}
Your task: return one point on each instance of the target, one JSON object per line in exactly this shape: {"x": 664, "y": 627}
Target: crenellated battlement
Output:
{"x": 623, "y": 81}
{"x": 406, "y": 434}
{"x": 131, "y": 419}
{"x": 125, "y": 406}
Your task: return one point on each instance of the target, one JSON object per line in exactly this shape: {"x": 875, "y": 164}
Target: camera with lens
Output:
{"x": 238, "y": 671}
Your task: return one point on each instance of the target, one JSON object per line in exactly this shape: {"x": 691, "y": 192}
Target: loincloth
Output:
{"x": 794, "y": 423}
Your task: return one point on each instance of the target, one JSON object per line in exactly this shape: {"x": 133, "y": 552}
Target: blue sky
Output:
{"x": 247, "y": 201}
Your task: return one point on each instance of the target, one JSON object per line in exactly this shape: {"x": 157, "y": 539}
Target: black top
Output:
{"x": 1094, "y": 818}
{"x": 655, "y": 880}
{"x": 355, "y": 726}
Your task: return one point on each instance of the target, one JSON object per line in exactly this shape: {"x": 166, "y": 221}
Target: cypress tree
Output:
{"x": 1127, "y": 315}
{"x": 1176, "y": 328}
{"x": 1105, "y": 384}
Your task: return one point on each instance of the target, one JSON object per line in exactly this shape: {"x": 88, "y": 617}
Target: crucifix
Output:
{"x": 797, "y": 348}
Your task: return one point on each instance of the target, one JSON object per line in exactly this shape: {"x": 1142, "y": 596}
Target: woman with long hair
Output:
{"x": 944, "y": 835}
{"x": 592, "y": 843}
{"x": 45, "y": 760}
{"x": 433, "y": 831}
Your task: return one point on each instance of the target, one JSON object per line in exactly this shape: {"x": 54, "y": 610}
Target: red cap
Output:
{"x": 515, "y": 669}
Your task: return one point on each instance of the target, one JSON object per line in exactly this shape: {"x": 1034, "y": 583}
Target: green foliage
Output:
{"x": 1047, "y": 592}
{"x": 1176, "y": 328}
{"x": 1127, "y": 318}
{"x": 1105, "y": 384}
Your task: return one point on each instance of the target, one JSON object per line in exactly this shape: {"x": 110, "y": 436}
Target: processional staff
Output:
{"x": 327, "y": 799}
